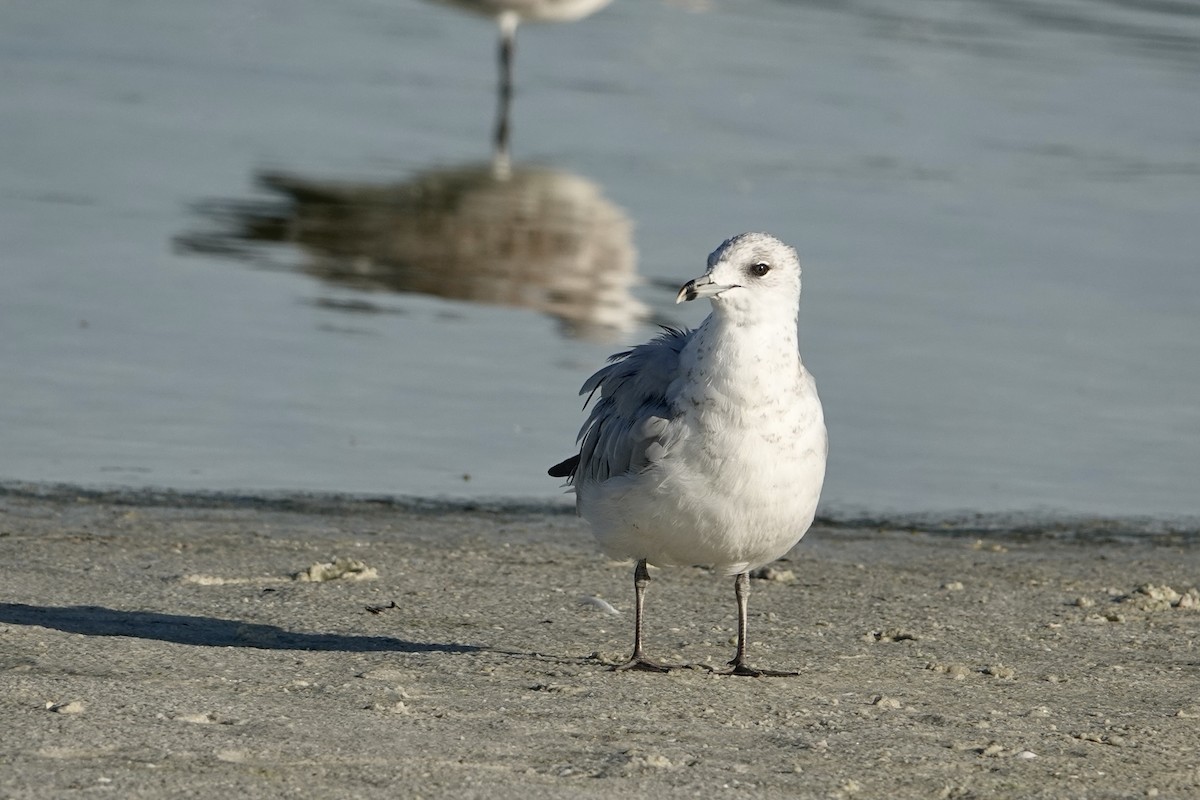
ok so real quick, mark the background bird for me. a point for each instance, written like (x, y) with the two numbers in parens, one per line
(707, 446)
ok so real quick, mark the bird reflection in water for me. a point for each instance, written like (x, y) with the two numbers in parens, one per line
(532, 236)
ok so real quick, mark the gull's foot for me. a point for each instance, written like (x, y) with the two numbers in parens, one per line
(738, 668)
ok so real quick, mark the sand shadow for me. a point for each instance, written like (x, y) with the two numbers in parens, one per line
(206, 631)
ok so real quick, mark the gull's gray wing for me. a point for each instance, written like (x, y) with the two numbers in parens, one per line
(627, 425)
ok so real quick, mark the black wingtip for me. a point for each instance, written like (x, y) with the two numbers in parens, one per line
(564, 469)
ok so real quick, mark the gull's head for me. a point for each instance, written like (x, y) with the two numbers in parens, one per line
(749, 275)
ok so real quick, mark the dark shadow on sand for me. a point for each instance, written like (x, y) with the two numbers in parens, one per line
(206, 631)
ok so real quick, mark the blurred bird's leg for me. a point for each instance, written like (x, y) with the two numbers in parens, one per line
(508, 42)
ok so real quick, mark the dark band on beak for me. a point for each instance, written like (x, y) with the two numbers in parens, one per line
(687, 292)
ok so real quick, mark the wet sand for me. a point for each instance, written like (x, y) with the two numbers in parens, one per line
(156, 645)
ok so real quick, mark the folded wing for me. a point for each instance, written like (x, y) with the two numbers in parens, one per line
(629, 426)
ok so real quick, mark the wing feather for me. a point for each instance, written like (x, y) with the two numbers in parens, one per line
(628, 426)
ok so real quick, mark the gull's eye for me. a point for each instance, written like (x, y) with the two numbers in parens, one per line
(760, 269)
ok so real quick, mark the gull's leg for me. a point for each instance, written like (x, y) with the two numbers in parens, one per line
(641, 577)
(508, 32)
(741, 590)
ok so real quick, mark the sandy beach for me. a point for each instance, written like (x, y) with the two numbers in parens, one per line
(167, 645)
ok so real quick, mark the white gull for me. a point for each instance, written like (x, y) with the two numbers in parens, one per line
(708, 446)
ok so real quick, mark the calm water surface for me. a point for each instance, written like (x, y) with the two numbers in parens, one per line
(257, 244)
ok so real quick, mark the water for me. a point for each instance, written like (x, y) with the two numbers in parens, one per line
(260, 244)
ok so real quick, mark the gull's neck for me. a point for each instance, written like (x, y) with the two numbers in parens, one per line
(754, 334)
(750, 362)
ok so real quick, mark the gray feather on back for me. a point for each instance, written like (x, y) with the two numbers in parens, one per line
(628, 427)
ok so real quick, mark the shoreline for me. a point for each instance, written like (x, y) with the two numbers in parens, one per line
(1062, 525)
(156, 644)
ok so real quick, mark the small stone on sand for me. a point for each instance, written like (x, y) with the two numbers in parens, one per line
(72, 707)
(338, 569)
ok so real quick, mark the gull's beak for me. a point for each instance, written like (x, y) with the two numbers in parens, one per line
(701, 287)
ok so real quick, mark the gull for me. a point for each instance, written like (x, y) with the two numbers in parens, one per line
(707, 447)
